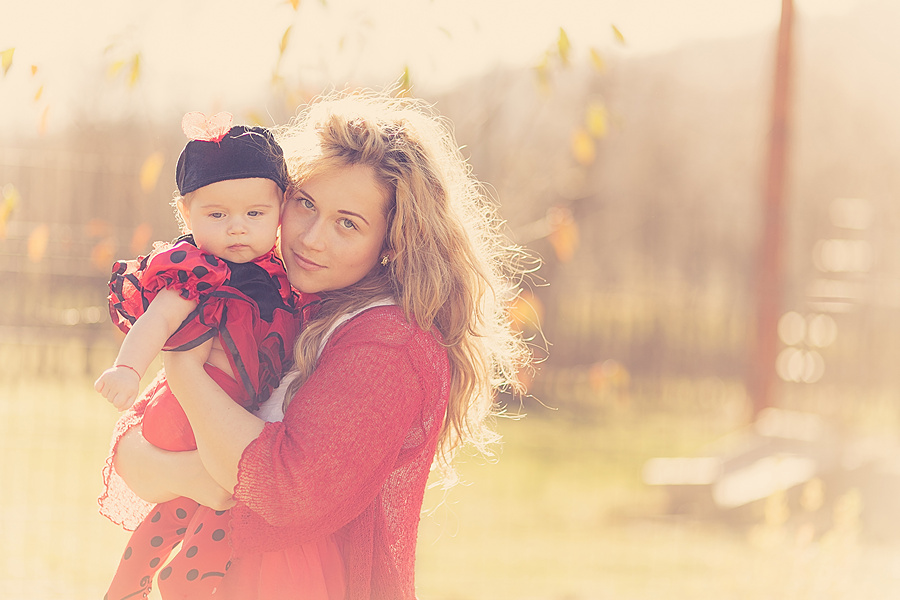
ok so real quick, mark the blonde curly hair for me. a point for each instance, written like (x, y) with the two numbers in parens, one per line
(452, 267)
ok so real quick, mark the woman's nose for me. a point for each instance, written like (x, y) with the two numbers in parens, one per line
(313, 235)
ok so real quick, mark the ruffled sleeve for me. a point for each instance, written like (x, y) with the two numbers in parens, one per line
(185, 269)
(194, 274)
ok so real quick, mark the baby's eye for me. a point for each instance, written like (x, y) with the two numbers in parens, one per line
(217, 215)
(255, 213)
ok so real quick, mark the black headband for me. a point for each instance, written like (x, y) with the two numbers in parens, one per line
(242, 153)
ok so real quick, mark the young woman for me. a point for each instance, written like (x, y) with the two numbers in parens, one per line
(397, 366)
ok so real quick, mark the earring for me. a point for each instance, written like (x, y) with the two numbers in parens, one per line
(385, 260)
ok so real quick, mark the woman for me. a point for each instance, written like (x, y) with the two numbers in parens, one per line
(397, 365)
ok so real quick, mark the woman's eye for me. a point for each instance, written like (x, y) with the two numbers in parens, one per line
(348, 224)
(307, 203)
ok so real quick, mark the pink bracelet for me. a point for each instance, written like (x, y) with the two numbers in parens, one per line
(132, 368)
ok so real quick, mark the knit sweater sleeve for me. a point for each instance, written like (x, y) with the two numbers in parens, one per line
(342, 433)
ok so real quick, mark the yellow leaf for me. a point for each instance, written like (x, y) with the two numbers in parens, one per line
(135, 73)
(6, 58)
(618, 35)
(583, 147)
(543, 78)
(150, 171)
(34, 69)
(254, 118)
(405, 83)
(563, 233)
(114, 68)
(564, 46)
(284, 40)
(37, 95)
(597, 120)
(10, 199)
(45, 120)
(542, 72)
(37, 243)
(140, 239)
(597, 60)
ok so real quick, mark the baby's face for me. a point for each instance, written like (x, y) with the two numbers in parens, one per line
(236, 219)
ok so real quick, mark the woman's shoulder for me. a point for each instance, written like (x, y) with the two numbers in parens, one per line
(387, 327)
(385, 324)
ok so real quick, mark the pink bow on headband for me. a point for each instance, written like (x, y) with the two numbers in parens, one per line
(197, 126)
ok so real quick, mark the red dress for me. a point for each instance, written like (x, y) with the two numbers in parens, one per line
(252, 310)
(250, 307)
(349, 463)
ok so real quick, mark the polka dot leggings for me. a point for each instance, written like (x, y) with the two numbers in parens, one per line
(194, 571)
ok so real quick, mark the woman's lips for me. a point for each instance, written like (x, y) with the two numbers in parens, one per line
(307, 264)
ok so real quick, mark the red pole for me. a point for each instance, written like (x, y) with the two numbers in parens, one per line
(769, 274)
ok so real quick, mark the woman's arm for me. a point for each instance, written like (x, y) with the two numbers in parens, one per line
(379, 391)
(222, 428)
(156, 475)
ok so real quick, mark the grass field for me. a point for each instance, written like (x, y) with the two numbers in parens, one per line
(561, 515)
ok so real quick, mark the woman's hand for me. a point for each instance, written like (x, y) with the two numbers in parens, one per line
(157, 475)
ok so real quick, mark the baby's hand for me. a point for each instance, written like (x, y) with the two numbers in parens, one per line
(119, 385)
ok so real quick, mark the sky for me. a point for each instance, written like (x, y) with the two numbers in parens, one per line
(210, 55)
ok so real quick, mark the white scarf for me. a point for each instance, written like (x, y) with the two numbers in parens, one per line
(273, 409)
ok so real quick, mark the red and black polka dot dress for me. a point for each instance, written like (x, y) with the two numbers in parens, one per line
(252, 310)
(196, 569)
(249, 307)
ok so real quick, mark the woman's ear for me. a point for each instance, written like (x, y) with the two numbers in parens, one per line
(386, 256)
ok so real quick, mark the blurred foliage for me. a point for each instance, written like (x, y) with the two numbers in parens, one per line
(37, 242)
(9, 198)
(150, 171)
(635, 179)
(129, 67)
(6, 59)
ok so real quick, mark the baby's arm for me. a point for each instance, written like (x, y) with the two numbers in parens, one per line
(120, 384)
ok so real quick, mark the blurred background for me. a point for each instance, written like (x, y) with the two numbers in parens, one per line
(711, 185)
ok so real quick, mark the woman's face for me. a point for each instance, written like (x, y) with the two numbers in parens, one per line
(333, 229)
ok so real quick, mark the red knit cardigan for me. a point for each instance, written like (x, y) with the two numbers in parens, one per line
(351, 457)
